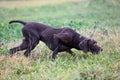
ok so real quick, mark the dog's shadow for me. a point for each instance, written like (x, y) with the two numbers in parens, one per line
(78, 56)
(81, 56)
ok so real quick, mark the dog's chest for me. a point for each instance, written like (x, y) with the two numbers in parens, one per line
(50, 46)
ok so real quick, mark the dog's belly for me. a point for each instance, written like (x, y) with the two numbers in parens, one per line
(63, 48)
(60, 49)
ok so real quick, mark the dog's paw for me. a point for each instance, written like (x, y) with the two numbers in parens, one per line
(11, 51)
(26, 54)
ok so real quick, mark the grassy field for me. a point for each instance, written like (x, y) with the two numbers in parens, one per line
(80, 15)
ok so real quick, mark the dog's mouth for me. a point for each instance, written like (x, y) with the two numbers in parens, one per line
(97, 51)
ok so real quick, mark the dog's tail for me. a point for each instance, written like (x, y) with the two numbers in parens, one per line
(17, 21)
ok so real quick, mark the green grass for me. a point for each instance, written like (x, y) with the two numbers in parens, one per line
(76, 15)
(80, 16)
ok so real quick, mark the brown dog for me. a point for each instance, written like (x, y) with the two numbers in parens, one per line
(58, 40)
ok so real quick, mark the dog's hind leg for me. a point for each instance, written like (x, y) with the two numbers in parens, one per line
(23, 46)
(32, 44)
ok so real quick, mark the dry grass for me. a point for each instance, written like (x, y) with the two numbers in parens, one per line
(12, 67)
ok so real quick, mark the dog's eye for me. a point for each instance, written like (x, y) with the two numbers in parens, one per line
(95, 44)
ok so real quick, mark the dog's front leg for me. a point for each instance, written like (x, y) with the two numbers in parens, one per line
(55, 52)
(56, 46)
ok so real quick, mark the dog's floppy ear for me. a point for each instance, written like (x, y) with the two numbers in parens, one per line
(91, 42)
(84, 46)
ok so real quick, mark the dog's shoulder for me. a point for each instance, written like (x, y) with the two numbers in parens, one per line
(69, 30)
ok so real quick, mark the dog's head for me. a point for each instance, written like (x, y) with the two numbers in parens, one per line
(89, 45)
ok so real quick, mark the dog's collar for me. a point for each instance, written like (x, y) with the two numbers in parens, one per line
(82, 40)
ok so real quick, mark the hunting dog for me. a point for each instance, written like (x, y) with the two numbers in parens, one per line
(57, 39)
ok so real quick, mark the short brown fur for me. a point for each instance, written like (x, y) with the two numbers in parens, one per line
(57, 39)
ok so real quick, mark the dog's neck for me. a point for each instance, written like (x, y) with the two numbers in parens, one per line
(77, 40)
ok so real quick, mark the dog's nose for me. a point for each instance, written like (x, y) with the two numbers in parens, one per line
(101, 49)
